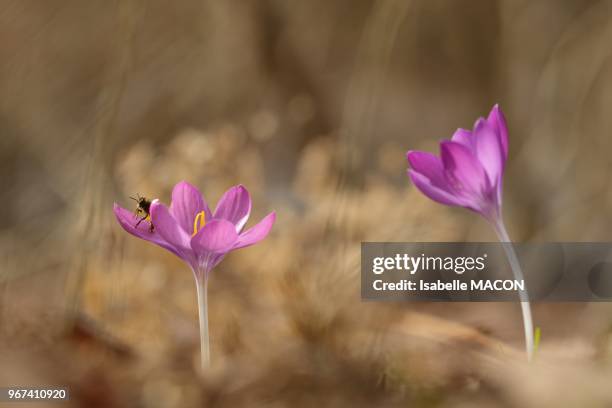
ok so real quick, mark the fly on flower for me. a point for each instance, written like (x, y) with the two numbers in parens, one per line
(197, 235)
(190, 230)
(143, 206)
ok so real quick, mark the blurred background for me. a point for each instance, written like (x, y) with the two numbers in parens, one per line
(312, 106)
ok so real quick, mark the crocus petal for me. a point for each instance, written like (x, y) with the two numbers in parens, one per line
(171, 231)
(429, 166)
(218, 236)
(127, 220)
(187, 202)
(214, 260)
(234, 206)
(497, 120)
(488, 150)
(464, 137)
(256, 233)
(463, 169)
(430, 190)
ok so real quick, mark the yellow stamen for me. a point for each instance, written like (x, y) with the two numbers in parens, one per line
(199, 222)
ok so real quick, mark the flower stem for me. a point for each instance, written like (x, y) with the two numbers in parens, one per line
(202, 289)
(502, 234)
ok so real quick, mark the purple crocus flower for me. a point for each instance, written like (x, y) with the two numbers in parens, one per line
(200, 237)
(470, 168)
(469, 173)
(192, 232)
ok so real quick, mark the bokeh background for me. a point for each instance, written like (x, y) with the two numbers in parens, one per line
(311, 105)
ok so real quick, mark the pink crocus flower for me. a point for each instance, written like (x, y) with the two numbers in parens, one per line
(200, 237)
(469, 173)
(470, 169)
(192, 232)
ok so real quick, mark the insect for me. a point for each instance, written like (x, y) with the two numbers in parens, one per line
(143, 209)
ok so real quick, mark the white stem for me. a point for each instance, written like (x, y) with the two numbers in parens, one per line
(502, 234)
(202, 289)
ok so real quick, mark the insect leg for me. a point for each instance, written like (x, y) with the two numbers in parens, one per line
(139, 221)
